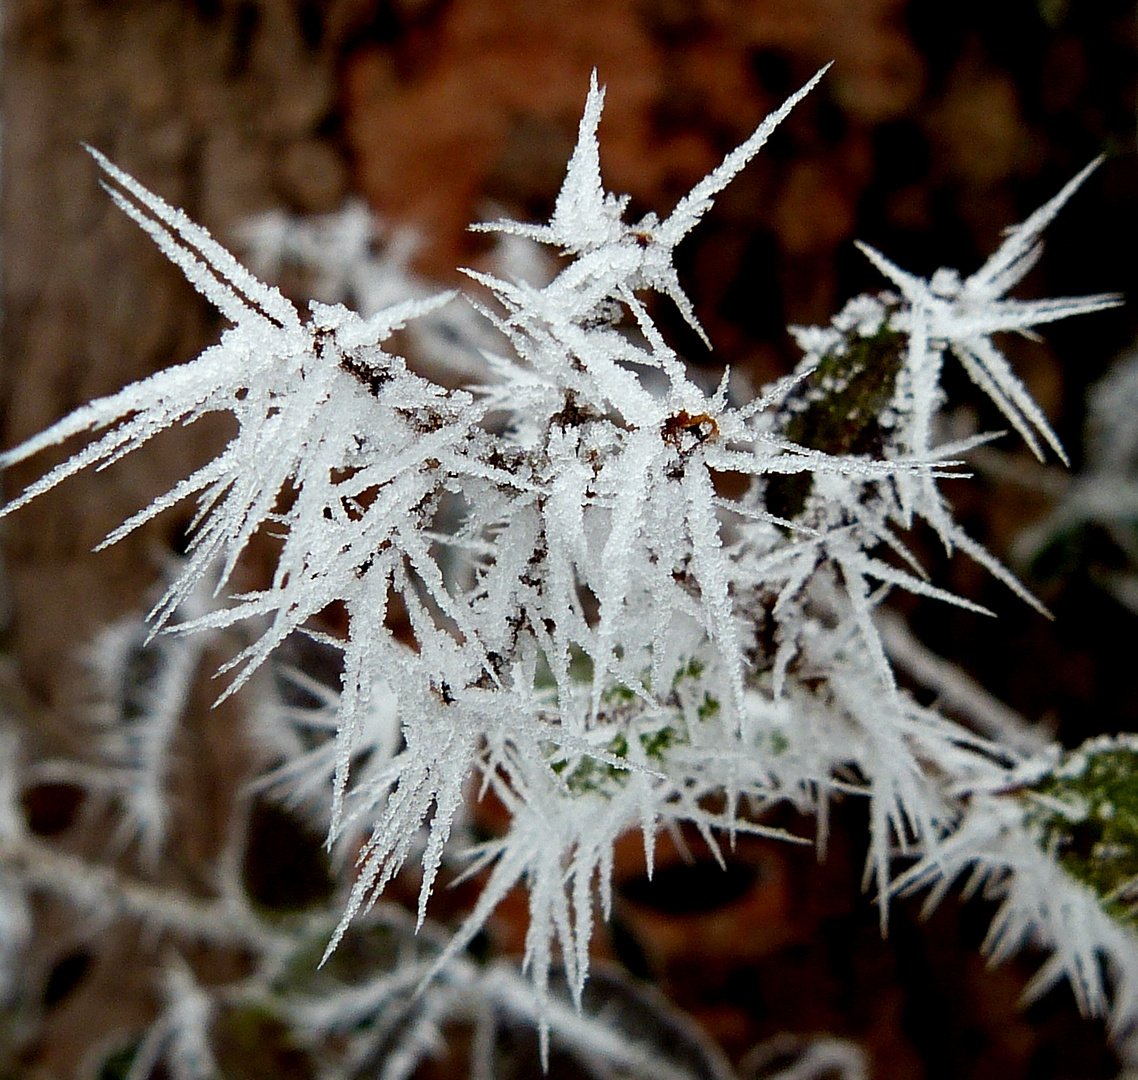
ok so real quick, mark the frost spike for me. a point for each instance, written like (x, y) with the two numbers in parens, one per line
(1017, 254)
(699, 200)
(210, 268)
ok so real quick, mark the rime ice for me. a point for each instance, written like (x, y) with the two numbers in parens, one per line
(595, 633)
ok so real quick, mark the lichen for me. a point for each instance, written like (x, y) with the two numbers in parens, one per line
(839, 407)
(1086, 811)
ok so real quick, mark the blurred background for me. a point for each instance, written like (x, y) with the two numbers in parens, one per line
(939, 125)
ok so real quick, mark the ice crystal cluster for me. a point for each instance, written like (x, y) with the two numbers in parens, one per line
(593, 591)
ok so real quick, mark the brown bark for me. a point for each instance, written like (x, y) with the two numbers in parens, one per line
(216, 107)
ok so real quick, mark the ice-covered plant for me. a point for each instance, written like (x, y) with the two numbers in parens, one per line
(553, 602)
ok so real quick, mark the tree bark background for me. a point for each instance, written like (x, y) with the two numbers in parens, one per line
(216, 107)
(937, 127)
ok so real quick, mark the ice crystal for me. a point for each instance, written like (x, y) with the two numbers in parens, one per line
(946, 313)
(1055, 844)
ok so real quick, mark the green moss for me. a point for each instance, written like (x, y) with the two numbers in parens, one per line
(618, 694)
(657, 743)
(589, 775)
(1096, 839)
(844, 399)
(708, 708)
(693, 669)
